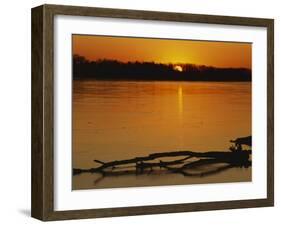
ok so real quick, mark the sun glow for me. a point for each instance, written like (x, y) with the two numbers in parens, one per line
(166, 51)
(178, 68)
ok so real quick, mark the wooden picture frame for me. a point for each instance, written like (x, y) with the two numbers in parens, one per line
(43, 112)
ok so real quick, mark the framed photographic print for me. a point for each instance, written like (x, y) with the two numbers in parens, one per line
(141, 112)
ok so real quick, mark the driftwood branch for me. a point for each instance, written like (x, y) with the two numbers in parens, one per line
(139, 165)
(187, 163)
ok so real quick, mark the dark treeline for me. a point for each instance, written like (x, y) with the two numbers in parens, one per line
(112, 69)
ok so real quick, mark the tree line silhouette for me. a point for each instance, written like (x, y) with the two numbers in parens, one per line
(105, 69)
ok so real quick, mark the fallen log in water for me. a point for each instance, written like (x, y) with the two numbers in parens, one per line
(232, 159)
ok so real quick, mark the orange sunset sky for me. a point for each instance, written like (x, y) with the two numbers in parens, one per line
(217, 54)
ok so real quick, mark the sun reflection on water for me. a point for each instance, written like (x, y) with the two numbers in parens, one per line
(180, 101)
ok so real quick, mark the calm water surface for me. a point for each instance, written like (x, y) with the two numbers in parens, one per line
(123, 119)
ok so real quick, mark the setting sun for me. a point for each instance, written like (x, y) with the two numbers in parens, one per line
(178, 68)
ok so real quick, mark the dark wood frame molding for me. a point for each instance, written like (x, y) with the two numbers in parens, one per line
(42, 203)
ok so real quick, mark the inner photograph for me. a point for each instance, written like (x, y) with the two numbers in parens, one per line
(155, 112)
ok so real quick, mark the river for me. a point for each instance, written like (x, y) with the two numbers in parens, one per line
(115, 120)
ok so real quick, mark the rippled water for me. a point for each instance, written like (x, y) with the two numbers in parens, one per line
(123, 119)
